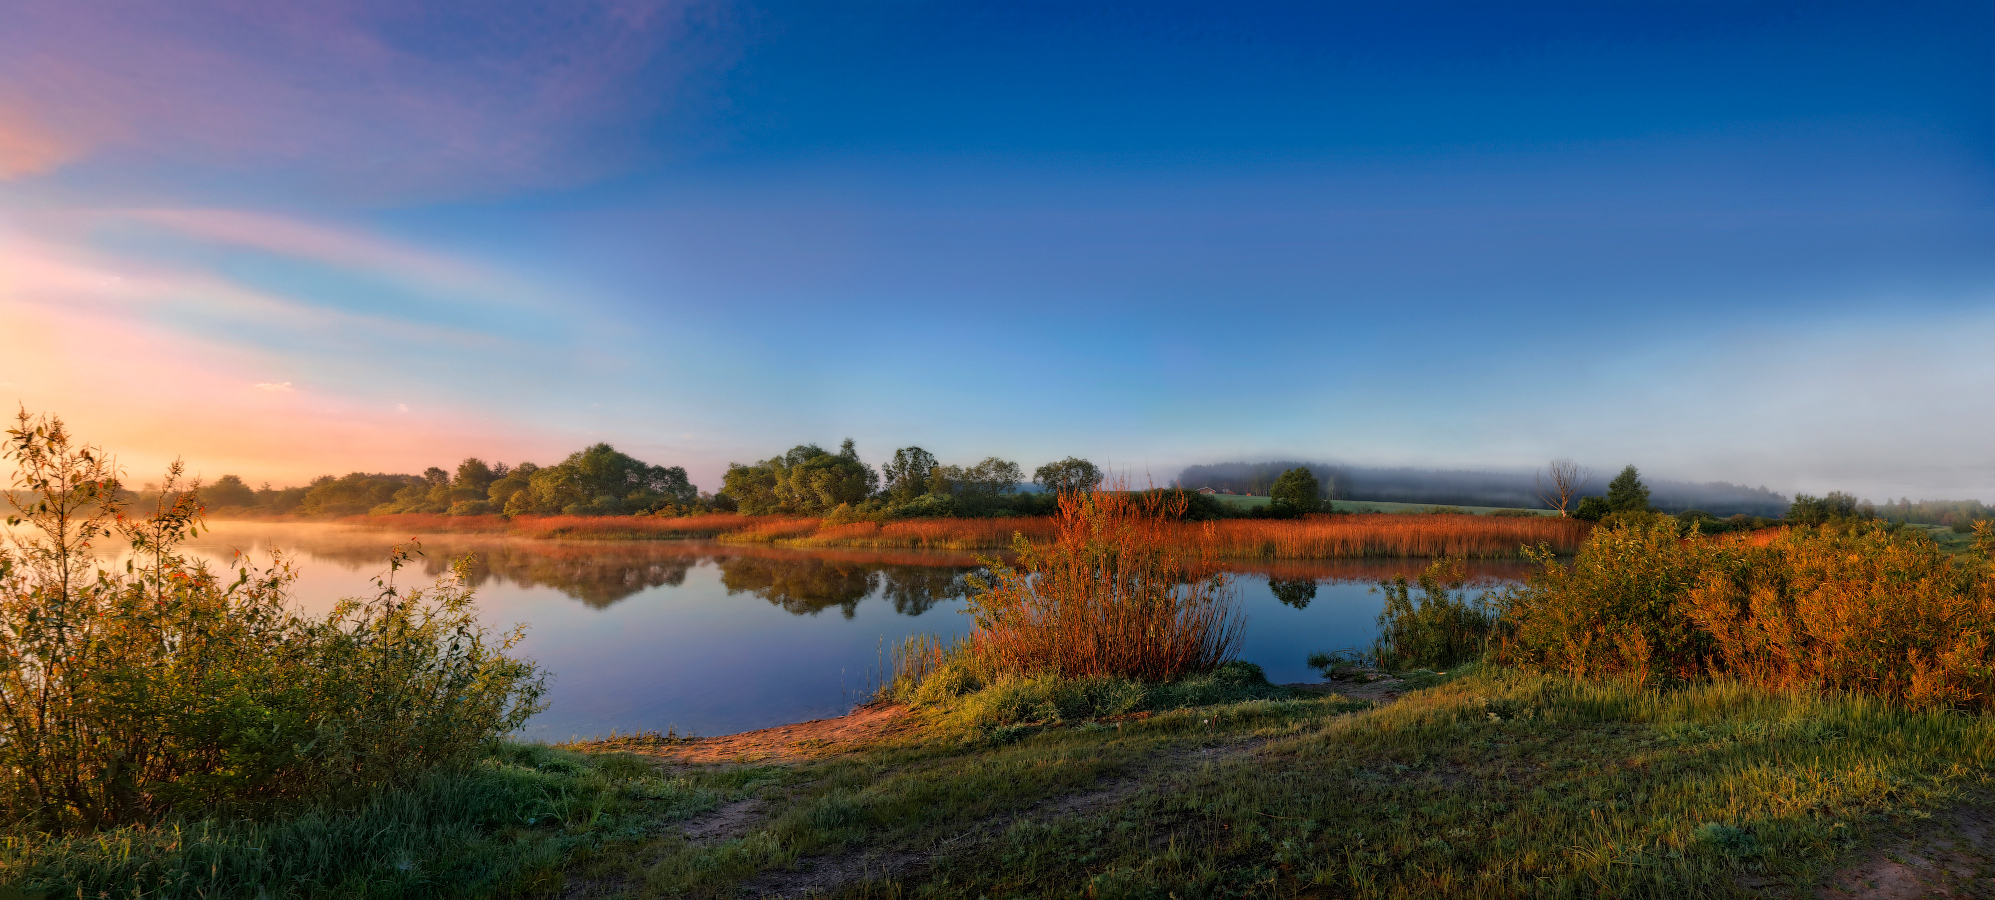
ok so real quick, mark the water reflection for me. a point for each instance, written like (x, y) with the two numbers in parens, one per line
(810, 585)
(724, 637)
(603, 573)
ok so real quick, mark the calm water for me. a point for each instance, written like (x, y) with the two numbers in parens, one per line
(716, 639)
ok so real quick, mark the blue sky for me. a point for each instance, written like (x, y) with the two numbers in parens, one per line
(1748, 242)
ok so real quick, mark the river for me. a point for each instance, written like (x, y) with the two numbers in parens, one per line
(718, 638)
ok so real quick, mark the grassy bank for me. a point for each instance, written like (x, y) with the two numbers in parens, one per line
(1490, 784)
(1318, 537)
(1482, 784)
(504, 826)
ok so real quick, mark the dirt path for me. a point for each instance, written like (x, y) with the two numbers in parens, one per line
(781, 744)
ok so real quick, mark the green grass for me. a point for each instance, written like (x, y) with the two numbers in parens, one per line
(1489, 784)
(508, 825)
(1950, 541)
(1479, 783)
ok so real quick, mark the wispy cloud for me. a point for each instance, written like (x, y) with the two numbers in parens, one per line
(163, 357)
(377, 97)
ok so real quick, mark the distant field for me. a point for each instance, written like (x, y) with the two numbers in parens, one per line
(1379, 506)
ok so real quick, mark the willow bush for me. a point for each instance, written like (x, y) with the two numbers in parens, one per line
(1441, 626)
(1858, 607)
(159, 687)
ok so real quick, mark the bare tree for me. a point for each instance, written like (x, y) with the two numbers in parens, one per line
(1567, 479)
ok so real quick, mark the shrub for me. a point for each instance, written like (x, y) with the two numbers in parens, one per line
(1616, 609)
(1855, 607)
(1441, 627)
(130, 696)
(1113, 595)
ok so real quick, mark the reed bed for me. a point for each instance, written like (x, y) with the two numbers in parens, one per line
(1385, 534)
(934, 534)
(1369, 535)
(770, 529)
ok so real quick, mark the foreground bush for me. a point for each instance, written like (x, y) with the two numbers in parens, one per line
(134, 695)
(1113, 595)
(502, 825)
(1861, 607)
(1442, 626)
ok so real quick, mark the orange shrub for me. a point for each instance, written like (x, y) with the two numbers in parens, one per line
(1117, 593)
(1865, 609)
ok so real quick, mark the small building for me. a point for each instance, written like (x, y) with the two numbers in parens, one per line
(1207, 490)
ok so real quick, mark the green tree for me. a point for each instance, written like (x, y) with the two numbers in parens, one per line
(1297, 491)
(1627, 493)
(1592, 509)
(907, 475)
(599, 480)
(1836, 507)
(475, 476)
(227, 491)
(511, 483)
(1068, 476)
(807, 480)
(355, 493)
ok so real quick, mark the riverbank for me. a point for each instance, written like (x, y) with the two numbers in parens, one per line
(1363, 535)
(1470, 784)
(1489, 783)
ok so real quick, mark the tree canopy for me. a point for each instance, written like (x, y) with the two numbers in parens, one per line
(1067, 476)
(1297, 491)
(808, 479)
(906, 476)
(1627, 493)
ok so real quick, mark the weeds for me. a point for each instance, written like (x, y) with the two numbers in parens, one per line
(162, 690)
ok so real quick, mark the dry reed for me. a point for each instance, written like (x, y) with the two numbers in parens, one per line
(1375, 535)
(1117, 593)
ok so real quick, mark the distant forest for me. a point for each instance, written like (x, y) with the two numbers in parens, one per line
(1456, 487)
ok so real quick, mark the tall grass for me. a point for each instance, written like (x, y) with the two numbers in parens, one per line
(162, 689)
(1384, 534)
(1115, 594)
(1861, 608)
(1369, 535)
(934, 534)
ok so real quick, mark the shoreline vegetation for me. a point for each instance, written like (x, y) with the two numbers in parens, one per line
(1315, 537)
(1798, 711)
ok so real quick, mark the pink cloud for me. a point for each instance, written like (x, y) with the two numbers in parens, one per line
(29, 148)
(383, 98)
(86, 343)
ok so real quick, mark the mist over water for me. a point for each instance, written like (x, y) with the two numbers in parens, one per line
(1459, 487)
(714, 639)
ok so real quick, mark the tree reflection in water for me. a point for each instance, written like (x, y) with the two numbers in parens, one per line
(802, 582)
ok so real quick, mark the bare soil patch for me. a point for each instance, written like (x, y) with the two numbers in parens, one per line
(781, 744)
(1951, 856)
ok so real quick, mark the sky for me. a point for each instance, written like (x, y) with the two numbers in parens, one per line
(1726, 241)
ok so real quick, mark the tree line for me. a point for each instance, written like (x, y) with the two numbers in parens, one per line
(598, 480)
(602, 481)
